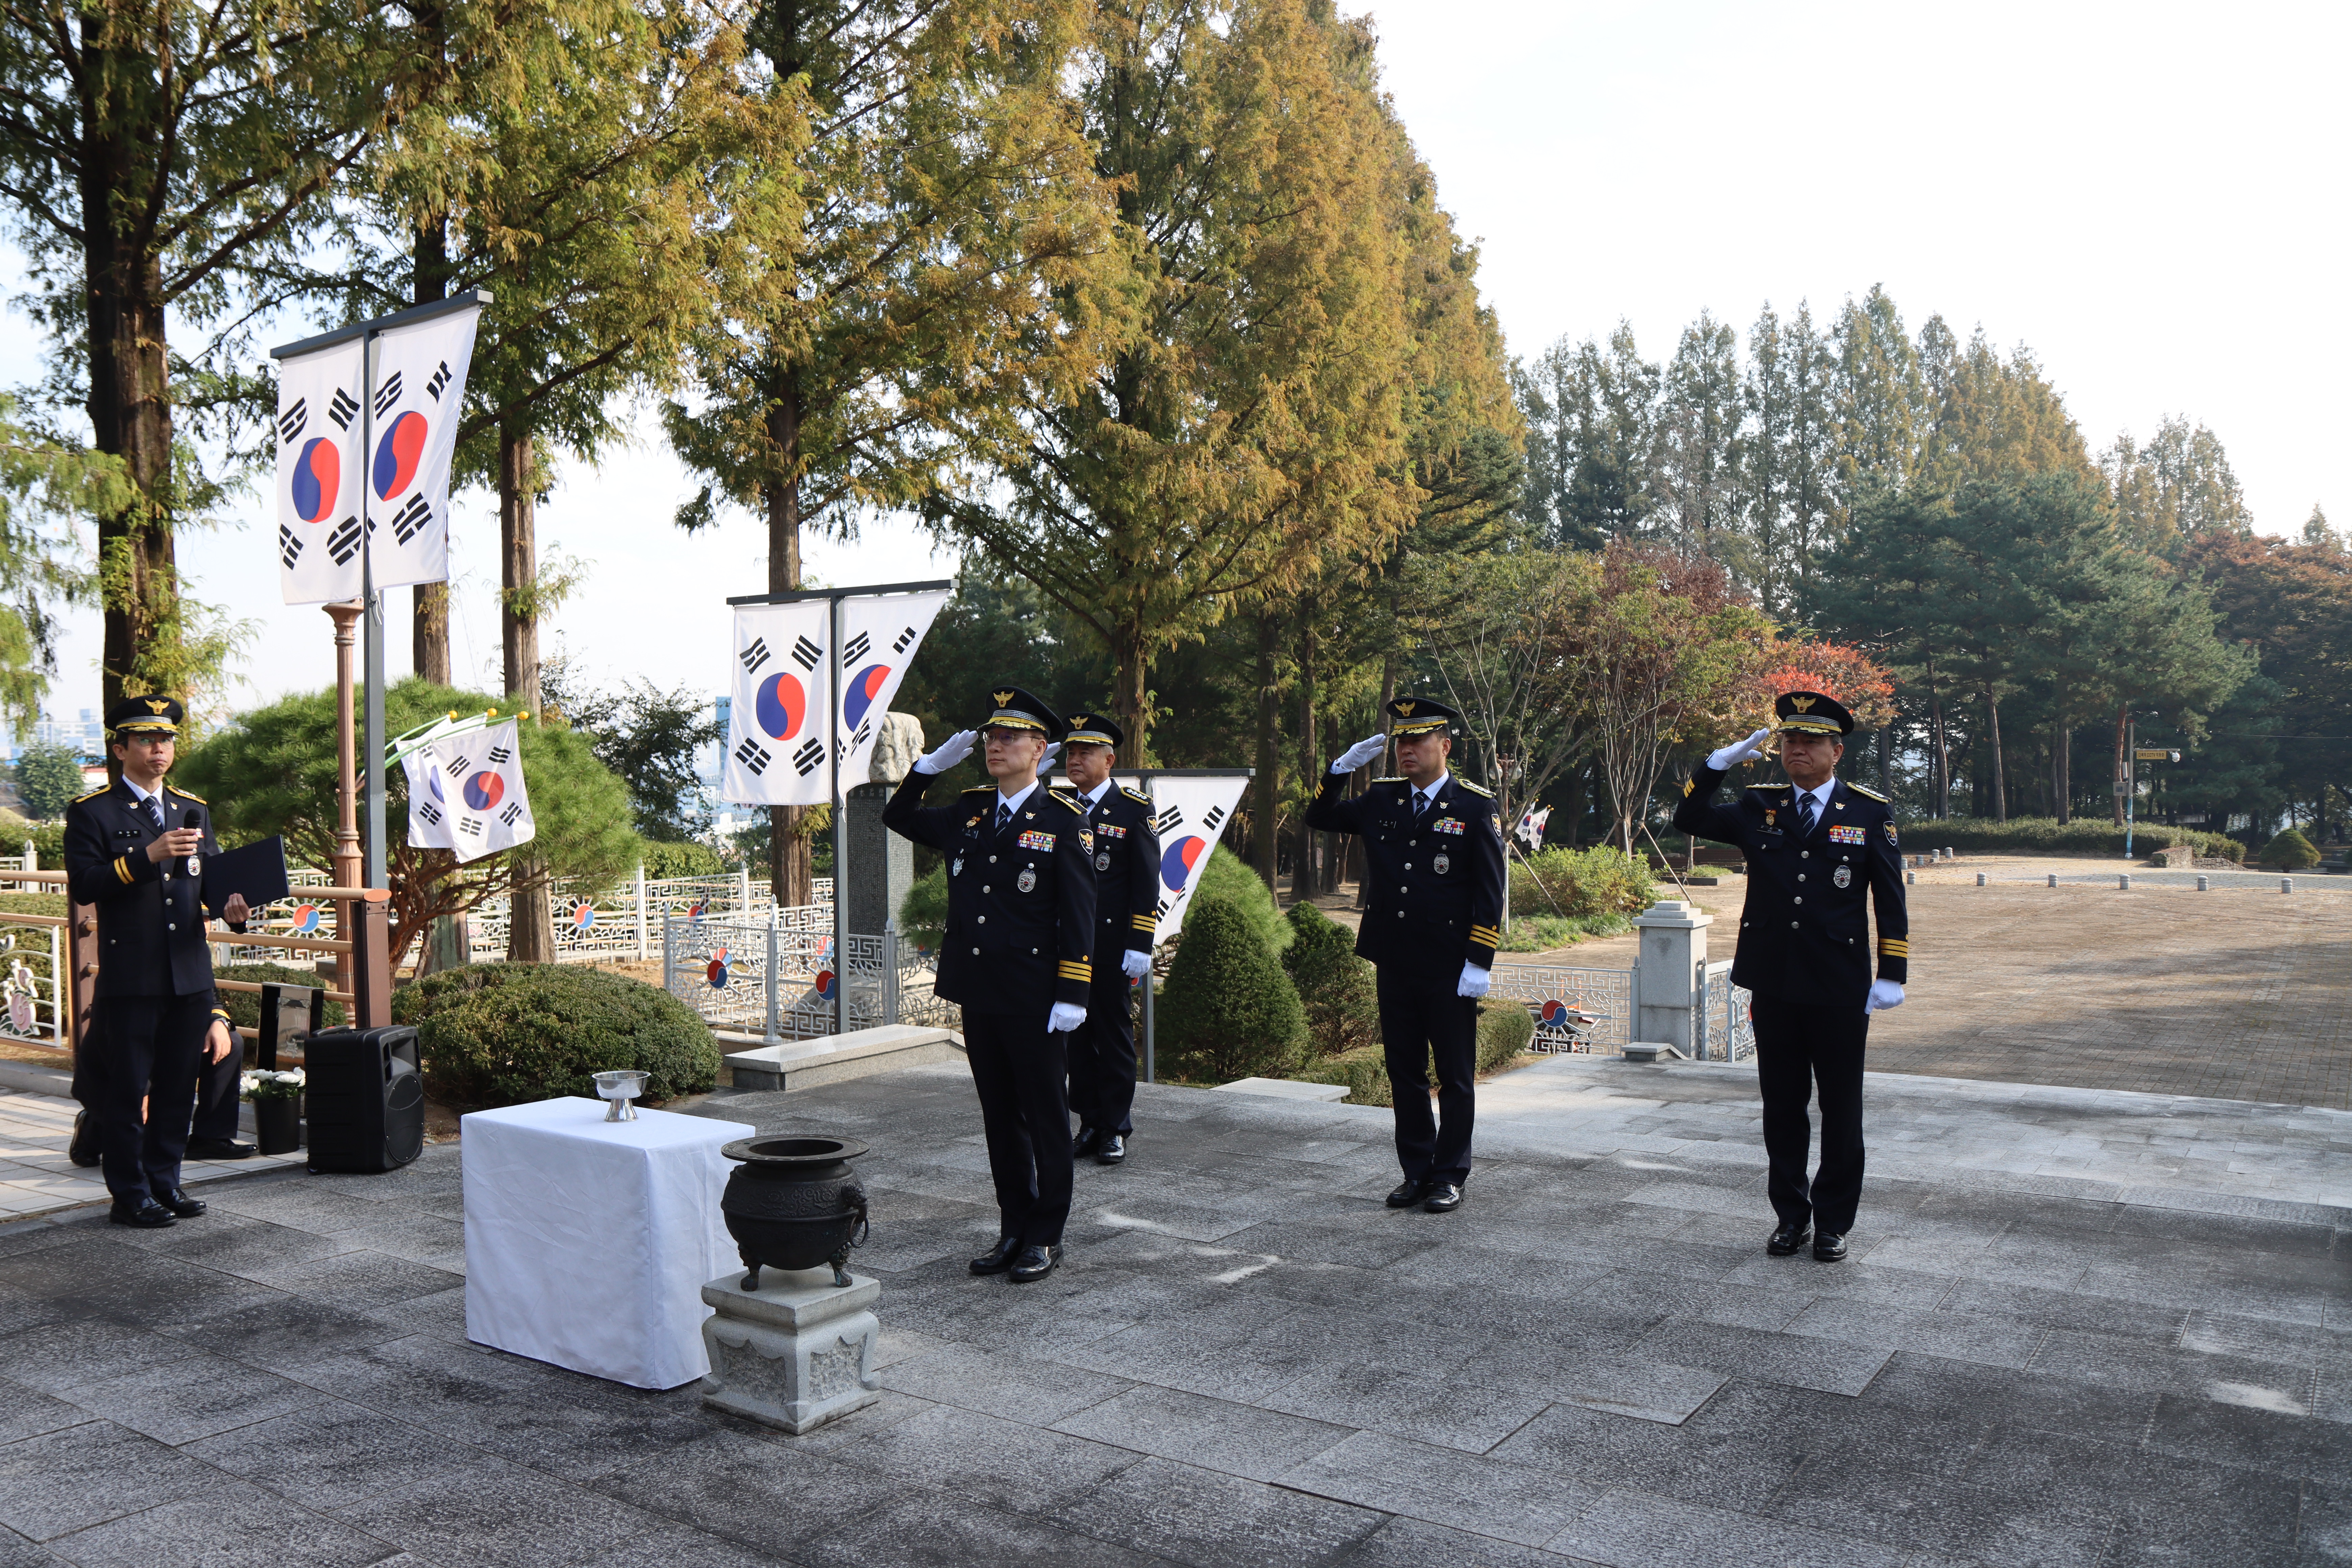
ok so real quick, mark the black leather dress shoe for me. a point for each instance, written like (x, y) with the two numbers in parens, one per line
(1085, 1143)
(1408, 1194)
(1444, 1197)
(146, 1215)
(220, 1149)
(83, 1149)
(1112, 1150)
(1789, 1241)
(177, 1200)
(1034, 1263)
(1828, 1248)
(999, 1257)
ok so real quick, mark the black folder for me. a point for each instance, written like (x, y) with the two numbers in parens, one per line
(257, 869)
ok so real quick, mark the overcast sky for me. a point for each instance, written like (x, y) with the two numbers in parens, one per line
(2152, 197)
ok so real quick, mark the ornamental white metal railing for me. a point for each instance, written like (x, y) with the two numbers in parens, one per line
(776, 977)
(1724, 1031)
(32, 977)
(1562, 999)
(625, 920)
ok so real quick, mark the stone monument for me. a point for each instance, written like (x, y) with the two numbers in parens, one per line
(1673, 987)
(794, 1354)
(881, 864)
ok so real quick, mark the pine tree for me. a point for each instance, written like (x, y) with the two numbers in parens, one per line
(1700, 423)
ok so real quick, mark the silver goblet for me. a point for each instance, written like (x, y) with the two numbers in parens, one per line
(621, 1087)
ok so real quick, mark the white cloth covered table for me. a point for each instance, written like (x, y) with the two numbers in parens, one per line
(588, 1242)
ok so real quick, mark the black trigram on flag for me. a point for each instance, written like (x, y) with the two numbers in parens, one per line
(470, 826)
(294, 421)
(755, 656)
(410, 519)
(865, 733)
(440, 379)
(904, 639)
(805, 654)
(457, 765)
(500, 756)
(387, 395)
(754, 757)
(344, 541)
(810, 753)
(289, 547)
(428, 811)
(1216, 814)
(340, 408)
(1169, 820)
(512, 814)
(855, 650)
(1160, 909)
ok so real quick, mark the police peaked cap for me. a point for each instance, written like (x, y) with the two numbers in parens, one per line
(1811, 713)
(1095, 730)
(1419, 716)
(1017, 710)
(145, 715)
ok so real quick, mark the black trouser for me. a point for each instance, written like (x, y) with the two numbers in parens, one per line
(1420, 1021)
(1102, 1057)
(219, 1084)
(1799, 1048)
(142, 1047)
(1018, 1068)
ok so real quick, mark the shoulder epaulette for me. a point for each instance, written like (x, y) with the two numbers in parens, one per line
(982, 789)
(1399, 778)
(1136, 795)
(1475, 789)
(1069, 802)
(93, 795)
(1864, 789)
(183, 794)
(1768, 786)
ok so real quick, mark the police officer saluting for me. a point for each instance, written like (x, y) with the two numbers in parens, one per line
(135, 849)
(1818, 849)
(1127, 888)
(1431, 921)
(1018, 957)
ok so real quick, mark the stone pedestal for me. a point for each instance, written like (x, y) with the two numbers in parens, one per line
(881, 864)
(1672, 983)
(794, 1354)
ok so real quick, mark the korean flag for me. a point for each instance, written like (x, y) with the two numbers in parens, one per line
(1191, 816)
(780, 685)
(413, 405)
(319, 463)
(879, 639)
(465, 793)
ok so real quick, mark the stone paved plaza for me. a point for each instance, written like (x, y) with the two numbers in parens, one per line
(1247, 1360)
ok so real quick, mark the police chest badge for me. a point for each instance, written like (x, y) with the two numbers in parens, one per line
(1102, 861)
(1027, 879)
(955, 868)
(1842, 876)
(1441, 864)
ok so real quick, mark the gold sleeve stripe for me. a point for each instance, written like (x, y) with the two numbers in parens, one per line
(122, 867)
(1146, 922)
(1895, 947)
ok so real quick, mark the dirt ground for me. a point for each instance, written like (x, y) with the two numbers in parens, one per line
(2238, 993)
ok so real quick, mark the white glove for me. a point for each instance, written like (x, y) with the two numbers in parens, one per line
(952, 750)
(1474, 981)
(1068, 1016)
(1883, 993)
(1047, 760)
(1739, 751)
(1356, 755)
(1135, 964)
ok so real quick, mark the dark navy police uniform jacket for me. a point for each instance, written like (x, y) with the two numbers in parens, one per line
(1021, 903)
(151, 926)
(1436, 896)
(1127, 874)
(1804, 935)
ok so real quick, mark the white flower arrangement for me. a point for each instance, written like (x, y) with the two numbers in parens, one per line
(267, 1085)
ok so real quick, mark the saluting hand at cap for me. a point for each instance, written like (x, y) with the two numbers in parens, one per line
(952, 750)
(1732, 755)
(1356, 755)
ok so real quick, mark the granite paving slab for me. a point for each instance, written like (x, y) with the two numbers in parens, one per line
(1246, 1359)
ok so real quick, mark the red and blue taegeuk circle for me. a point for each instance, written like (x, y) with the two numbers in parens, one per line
(485, 790)
(1555, 1015)
(397, 454)
(306, 920)
(318, 479)
(864, 687)
(825, 985)
(782, 703)
(1176, 862)
(715, 971)
(584, 916)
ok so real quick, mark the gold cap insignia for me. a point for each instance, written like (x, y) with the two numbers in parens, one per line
(1079, 721)
(1001, 698)
(1801, 704)
(156, 705)
(1404, 709)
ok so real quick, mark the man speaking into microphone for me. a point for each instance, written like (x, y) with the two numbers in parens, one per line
(136, 849)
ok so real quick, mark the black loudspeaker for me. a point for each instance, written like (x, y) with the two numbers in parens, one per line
(364, 1099)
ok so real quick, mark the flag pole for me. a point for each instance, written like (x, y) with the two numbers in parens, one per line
(840, 828)
(371, 603)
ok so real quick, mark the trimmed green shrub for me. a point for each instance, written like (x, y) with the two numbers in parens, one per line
(1541, 933)
(2289, 852)
(1504, 1027)
(2047, 836)
(245, 1007)
(49, 843)
(664, 859)
(503, 1034)
(1228, 880)
(1334, 986)
(54, 905)
(923, 912)
(1577, 882)
(1228, 1011)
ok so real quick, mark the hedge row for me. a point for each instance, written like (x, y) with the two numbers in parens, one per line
(1504, 1027)
(2047, 836)
(1576, 883)
(503, 1034)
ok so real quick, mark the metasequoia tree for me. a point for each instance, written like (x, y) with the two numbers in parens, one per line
(1254, 415)
(43, 486)
(153, 150)
(943, 251)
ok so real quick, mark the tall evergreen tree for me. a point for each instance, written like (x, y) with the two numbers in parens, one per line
(1880, 400)
(1700, 421)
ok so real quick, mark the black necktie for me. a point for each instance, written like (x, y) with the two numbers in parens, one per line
(156, 812)
(1004, 815)
(1420, 799)
(1805, 815)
